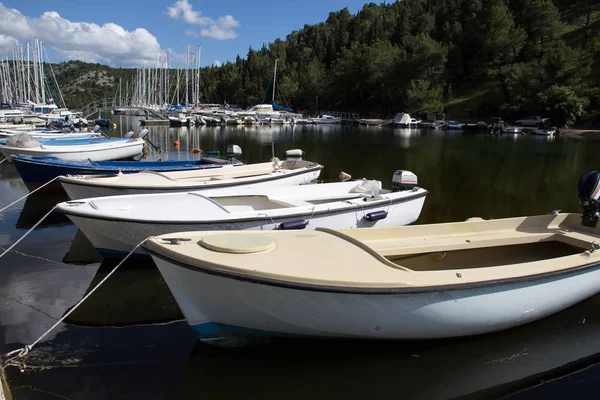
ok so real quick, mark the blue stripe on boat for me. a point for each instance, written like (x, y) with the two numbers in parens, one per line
(35, 171)
(216, 330)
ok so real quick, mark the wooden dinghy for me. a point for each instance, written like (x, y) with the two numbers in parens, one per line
(116, 224)
(264, 175)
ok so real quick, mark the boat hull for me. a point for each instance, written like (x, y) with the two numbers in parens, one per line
(95, 152)
(221, 307)
(76, 190)
(116, 238)
(38, 171)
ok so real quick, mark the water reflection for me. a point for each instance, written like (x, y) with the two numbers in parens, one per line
(467, 175)
(37, 205)
(403, 137)
(484, 366)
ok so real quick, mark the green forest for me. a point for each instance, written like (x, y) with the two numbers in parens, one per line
(468, 59)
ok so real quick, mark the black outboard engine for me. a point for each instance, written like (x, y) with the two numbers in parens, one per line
(588, 192)
(403, 180)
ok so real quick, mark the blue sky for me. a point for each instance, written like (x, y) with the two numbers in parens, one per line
(127, 33)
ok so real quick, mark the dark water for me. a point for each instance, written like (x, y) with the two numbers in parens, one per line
(129, 339)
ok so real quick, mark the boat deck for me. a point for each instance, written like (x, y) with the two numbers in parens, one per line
(473, 251)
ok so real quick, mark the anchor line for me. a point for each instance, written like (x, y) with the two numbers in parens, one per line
(28, 232)
(12, 357)
(30, 193)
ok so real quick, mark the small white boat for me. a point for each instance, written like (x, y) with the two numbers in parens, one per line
(103, 150)
(264, 175)
(545, 131)
(326, 119)
(372, 121)
(516, 130)
(116, 224)
(414, 282)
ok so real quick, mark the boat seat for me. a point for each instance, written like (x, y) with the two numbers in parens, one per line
(240, 208)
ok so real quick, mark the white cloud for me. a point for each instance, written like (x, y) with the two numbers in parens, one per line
(7, 43)
(182, 9)
(221, 29)
(217, 63)
(108, 43)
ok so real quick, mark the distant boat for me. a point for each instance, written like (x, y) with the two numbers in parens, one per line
(325, 119)
(404, 120)
(439, 124)
(453, 126)
(545, 131)
(372, 121)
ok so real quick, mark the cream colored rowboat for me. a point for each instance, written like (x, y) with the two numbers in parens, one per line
(263, 175)
(414, 282)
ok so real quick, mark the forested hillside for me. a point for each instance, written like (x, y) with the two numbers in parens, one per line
(468, 58)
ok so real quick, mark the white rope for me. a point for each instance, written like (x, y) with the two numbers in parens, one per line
(30, 193)
(27, 233)
(22, 352)
(311, 215)
(6, 158)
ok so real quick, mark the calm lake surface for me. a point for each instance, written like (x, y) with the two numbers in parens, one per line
(130, 341)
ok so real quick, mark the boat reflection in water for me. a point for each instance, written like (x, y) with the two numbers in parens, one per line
(135, 294)
(486, 366)
(37, 205)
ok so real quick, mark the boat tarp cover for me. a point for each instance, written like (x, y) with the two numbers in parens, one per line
(22, 140)
(402, 118)
(278, 107)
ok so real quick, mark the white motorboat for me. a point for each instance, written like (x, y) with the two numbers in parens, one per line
(325, 119)
(545, 131)
(263, 175)
(116, 224)
(414, 282)
(102, 150)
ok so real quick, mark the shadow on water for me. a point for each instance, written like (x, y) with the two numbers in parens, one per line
(135, 294)
(486, 366)
(128, 340)
(37, 205)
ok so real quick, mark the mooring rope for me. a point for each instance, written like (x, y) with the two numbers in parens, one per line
(11, 357)
(6, 158)
(27, 233)
(30, 193)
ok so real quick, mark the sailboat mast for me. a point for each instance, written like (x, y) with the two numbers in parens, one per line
(198, 78)
(274, 80)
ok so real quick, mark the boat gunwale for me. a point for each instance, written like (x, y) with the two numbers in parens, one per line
(217, 270)
(379, 203)
(195, 164)
(189, 186)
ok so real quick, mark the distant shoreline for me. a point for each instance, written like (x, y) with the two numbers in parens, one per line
(578, 133)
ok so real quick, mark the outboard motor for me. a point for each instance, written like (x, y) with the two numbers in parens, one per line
(588, 192)
(233, 151)
(403, 180)
(294, 154)
(143, 133)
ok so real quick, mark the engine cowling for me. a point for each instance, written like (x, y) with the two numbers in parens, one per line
(403, 180)
(588, 193)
